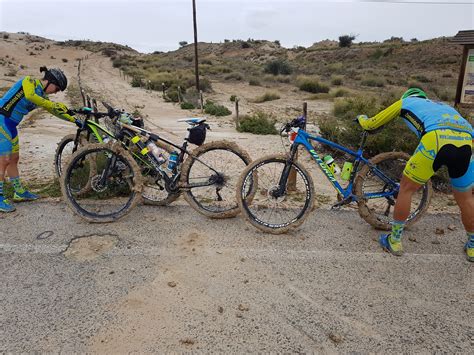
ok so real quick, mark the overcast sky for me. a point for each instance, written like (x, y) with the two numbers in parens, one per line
(150, 25)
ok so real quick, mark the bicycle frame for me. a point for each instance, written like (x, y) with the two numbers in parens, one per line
(303, 138)
(170, 181)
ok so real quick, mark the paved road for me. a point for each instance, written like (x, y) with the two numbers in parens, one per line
(168, 279)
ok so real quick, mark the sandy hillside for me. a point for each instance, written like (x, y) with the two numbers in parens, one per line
(40, 132)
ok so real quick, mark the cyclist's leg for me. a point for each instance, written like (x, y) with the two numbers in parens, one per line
(21, 194)
(5, 156)
(417, 172)
(463, 193)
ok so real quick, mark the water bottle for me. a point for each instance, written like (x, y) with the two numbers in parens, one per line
(346, 171)
(173, 160)
(156, 152)
(333, 167)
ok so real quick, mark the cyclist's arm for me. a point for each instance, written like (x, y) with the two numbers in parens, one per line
(383, 117)
(55, 108)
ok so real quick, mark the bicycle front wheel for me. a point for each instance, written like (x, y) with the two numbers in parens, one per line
(209, 176)
(378, 211)
(273, 208)
(115, 186)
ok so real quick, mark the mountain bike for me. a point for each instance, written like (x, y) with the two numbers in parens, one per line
(206, 176)
(280, 203)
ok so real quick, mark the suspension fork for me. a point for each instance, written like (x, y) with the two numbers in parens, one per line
(286, 172)
(107, 170)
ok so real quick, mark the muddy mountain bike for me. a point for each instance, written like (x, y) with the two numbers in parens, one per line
(91, 131)
(280, 203)
(206, 176)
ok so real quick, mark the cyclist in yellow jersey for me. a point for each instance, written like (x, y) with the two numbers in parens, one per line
(446, 138)
(23, 97)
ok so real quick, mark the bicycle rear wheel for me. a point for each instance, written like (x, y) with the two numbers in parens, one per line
(210, 176)
(378, 211)
(267, 210)
(115, 187)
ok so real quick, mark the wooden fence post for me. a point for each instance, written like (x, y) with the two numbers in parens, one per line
(236, 113)
(292, 176)
(163, 88)
(201, 101)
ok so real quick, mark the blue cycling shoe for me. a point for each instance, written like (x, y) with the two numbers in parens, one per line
(25, 196)
(469, 249)
(5, 205)
(386, 243)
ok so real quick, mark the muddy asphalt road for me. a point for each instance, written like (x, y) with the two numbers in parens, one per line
(169, 279)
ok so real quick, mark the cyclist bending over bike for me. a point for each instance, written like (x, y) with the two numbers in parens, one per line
(446, 138)
(24, 96)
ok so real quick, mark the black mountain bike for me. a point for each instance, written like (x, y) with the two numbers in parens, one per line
(121, 171)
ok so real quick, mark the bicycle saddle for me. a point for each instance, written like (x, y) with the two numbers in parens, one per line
(193, 120)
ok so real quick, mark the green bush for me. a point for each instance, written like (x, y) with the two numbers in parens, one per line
(136, 82)
(268, 96)
(339, 93)
(313, 86)
(259, 123)
(336, 80)
(234, 76)
(216, 110)
(233, 98)
(346, 40)
(373, 82)
(394, 136)
(187, 106)
(277, 66)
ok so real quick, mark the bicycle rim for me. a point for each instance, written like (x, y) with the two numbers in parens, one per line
(266, 209)
(217, 167)
(379, 211)
(115, 183)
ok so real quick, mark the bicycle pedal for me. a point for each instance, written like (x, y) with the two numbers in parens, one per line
(338, 205)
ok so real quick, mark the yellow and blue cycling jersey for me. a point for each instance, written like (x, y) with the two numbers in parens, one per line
(446, 139)
(24, 96)
(421, 116)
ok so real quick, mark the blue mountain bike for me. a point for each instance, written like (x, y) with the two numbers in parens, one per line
(284, 192)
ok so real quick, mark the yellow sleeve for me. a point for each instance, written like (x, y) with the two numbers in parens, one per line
(383, 117)
(54, 108)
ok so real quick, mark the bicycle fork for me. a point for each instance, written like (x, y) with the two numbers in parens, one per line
(280, 191)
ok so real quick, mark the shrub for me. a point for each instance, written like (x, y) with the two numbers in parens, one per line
(6, 36)
(216, 110)
(254, 82)
(233, 98)
(336, 80)
(277, 66)
(259, 123)
(234, 76)
(183, 43)
(373, 82)
(187, 106)
(136, 82)
(395, 136)
(346, 40)
(268, 96)
(339, 93)
(312, 85)
(245, 45)
(65, 60)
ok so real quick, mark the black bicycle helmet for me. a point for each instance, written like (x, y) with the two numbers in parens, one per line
(55, 76)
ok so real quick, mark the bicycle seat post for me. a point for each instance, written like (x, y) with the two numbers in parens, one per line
(365, 134)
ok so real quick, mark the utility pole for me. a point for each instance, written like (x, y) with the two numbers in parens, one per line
(196, 65)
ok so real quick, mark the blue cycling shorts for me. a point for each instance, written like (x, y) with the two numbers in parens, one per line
(9, 142)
